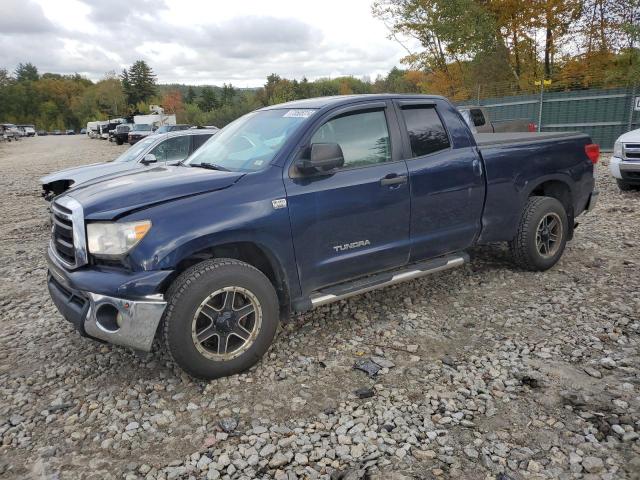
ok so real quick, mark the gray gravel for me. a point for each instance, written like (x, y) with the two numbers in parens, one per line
(482, 371)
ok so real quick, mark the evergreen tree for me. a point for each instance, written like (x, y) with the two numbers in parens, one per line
(26, 72)
(190, 96)
(228, 93)
(208, 100)
(138, 83)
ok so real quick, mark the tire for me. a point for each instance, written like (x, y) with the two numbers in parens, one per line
(534, 252)
(198, 296)
(624, 186)
(119, 142)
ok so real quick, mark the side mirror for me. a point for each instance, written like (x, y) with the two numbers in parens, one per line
(322, 158)
(149, 158)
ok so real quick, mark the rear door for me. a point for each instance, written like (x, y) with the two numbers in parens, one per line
(447, 183)
(355, 221)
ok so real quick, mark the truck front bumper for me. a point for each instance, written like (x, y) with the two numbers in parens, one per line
(130, 322)
(627, 170)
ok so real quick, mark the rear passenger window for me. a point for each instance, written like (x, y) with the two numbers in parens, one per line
(363, 137)
(426, 132)
(478, 117)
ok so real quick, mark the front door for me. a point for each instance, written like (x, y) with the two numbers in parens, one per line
(356, 220)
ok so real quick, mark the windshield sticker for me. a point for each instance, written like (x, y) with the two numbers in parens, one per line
(298, 113)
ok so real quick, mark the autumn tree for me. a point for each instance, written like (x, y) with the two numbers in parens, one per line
(172, 102)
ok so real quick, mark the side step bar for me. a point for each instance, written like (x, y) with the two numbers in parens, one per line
(384, 279)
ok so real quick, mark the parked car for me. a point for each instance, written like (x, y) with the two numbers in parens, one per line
(479, 121)
(83, 131)
(121, 133)
(625, 161)
(42, 133)
(26, 130)
(57, 132)
(138, 132)
(302, 204)
(70, 132)
(169, 148)
(11, 132)
(171, 128)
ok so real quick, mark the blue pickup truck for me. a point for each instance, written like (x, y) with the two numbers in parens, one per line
(298, 205)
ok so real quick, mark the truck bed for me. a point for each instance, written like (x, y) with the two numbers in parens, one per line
(488, 139)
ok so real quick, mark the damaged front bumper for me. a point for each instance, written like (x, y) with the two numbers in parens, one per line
(130, 322)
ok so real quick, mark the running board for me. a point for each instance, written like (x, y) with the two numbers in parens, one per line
(385, 279)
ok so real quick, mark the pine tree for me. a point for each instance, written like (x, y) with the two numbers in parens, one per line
(138, 83)
(208, 100)
(190, 96)
(26, 72)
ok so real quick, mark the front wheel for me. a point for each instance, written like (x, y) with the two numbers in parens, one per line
(221, 318)
(541, 235)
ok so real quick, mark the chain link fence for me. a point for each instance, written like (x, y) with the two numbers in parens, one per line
(603, 113)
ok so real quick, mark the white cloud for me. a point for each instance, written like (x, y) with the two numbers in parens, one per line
(199, 41)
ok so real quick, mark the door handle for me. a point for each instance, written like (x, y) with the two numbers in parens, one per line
(477, 168)
(393, 179)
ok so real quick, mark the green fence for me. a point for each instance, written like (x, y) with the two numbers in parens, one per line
(604, 114)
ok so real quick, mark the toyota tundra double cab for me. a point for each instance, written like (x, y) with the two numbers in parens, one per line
(298, 205)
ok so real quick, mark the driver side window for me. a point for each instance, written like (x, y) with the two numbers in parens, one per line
(363, 137)
(172, 149)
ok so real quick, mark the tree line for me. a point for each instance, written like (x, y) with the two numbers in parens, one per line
(466, 49)
(516, 43)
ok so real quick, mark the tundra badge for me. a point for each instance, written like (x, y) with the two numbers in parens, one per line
(352, 245)
(279, 203)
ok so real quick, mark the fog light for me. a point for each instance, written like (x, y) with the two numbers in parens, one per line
(107, 317)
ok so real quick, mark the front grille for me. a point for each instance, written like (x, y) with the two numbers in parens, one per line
(62, 234)
(631, 151)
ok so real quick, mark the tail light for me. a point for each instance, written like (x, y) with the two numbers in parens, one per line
(593, 152)
(532, 127)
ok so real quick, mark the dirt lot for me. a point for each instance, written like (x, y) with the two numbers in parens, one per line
(489, 370)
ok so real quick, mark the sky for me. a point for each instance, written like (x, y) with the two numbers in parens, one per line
(197, 41)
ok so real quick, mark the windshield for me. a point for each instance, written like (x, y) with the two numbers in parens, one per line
(141, 127)
(252, 141)
(135, 151)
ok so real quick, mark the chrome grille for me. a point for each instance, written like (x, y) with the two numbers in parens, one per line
(68, 240)
(631, 151)
(62, 234)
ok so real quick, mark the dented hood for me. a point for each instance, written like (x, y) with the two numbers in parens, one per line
(113, 197)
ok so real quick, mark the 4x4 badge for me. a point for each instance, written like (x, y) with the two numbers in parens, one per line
(279, 203)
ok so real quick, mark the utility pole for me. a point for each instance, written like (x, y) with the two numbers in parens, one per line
(633, 107)
(542, 83)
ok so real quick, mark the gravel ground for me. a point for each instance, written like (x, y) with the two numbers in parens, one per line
(484, 372)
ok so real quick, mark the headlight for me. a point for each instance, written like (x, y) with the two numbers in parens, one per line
(617, 149)
(115, 239)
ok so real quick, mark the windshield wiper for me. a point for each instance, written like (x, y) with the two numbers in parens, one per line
(211, 166)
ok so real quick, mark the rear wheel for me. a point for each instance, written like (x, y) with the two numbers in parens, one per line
(119, 142)
(542, 234)
(221, 318)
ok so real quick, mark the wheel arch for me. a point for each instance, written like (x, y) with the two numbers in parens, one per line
(252, 253)
(560, 189)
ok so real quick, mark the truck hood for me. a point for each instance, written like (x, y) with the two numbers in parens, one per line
(632, 136)
(113, 197)
(87, 172)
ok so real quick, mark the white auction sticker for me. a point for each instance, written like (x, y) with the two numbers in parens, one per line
(300, 113)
